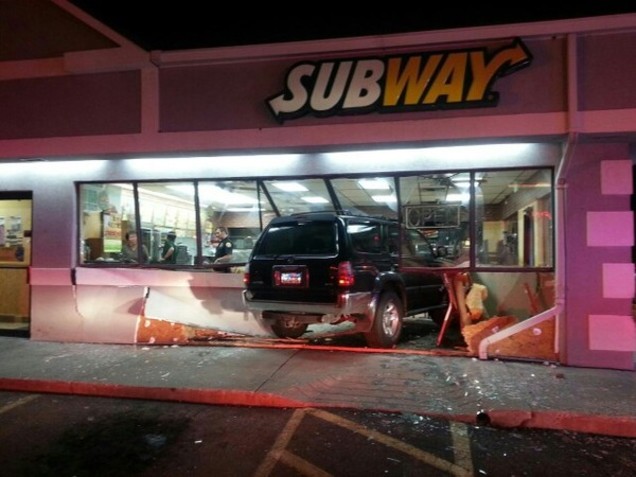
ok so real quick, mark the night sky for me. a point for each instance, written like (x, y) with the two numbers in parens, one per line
(189, 24)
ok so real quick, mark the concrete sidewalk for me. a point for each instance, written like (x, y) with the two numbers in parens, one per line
(512, 394)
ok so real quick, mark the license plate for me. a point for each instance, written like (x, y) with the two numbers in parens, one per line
(291, 278)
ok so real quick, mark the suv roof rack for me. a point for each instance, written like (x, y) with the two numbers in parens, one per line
(348, 213)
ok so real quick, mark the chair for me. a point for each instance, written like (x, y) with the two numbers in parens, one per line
(456, 284)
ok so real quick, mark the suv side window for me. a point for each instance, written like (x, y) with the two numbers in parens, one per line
(366, 237)
(394, 239)
(417, 250)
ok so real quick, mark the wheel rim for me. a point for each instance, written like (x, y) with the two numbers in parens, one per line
(292, 324)
(390, 319)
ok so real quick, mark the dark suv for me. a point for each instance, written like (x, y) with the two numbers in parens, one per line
(330, 268)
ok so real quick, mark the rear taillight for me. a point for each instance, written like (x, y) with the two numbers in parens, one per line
(345, 274)
(246, 275)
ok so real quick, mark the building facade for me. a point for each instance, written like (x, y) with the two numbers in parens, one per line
(100, 139)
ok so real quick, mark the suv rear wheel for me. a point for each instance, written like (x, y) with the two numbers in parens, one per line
(387, 323)
(289, 327)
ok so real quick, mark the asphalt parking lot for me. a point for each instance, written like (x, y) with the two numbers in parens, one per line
(48, 435)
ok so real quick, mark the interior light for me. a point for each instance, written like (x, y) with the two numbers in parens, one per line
(384, 199)
(211, 193)
(447, 156)
(290, 186)
(80, 168)
(463, 197)
(374, 184)
(254, 163)
(315, 200)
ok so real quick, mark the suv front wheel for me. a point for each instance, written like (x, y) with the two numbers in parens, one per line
(387, 323)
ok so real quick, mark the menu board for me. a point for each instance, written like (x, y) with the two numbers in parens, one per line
(11, 239)
(111, 223)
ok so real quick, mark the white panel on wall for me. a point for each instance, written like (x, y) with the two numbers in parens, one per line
(618, 280)
(616, 177)
(610, 229)
(612, 333)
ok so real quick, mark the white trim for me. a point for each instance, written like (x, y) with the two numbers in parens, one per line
(534, 127)
(521, 326)
(121, 277)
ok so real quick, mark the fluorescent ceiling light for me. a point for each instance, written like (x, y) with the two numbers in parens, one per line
(290, 186)
(315, 200)
(211, 193)
(457, 197)
(52, 168)
(374, 184)
(384, 199)
(255, 164)
(447, 156)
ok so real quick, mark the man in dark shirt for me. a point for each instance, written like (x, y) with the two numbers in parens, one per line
(169, 250)
(223, 252)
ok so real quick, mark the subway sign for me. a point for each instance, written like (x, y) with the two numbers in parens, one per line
(450, 79)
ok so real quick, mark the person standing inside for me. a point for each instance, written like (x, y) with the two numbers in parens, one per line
(224, 248)
(130, 252)
(169, 250)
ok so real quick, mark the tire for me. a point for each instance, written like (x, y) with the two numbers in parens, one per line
(289, 328)
(387, 322)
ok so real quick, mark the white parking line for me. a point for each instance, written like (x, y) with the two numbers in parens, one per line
(427, 458)
(461, 444)
(19, 402)
(278, 449)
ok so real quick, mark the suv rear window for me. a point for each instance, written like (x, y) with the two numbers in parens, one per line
(299, 238)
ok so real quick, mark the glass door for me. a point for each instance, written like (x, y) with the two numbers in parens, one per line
(15, 258)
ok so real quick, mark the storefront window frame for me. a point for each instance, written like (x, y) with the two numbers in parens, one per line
(264, 195)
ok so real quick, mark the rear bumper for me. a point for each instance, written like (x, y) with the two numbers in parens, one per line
(347, 304)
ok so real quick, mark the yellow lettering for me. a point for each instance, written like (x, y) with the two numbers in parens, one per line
(409, 81)
(450, 80)
(484, 73)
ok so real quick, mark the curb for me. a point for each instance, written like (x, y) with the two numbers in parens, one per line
(189, 395)
(617, 426)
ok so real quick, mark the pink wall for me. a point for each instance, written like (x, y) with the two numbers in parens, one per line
(77, 105)
(607, 68)
(595, 235)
